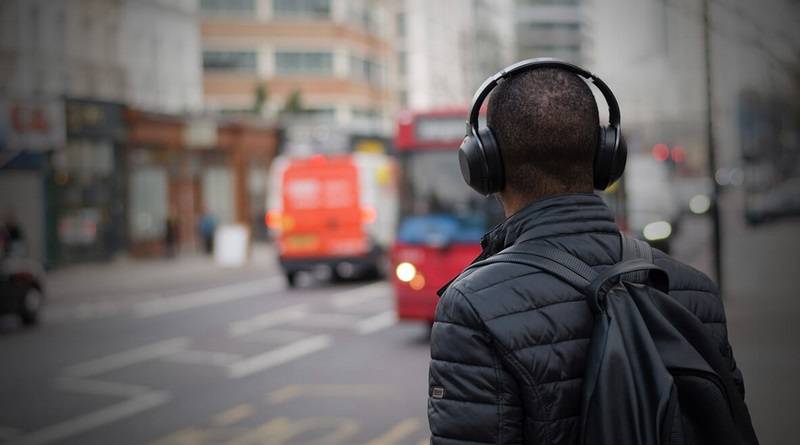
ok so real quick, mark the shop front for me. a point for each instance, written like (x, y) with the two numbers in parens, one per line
(31, 130)
(87, 184)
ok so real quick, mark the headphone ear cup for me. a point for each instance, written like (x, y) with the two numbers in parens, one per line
(620, 160)
(606, 166)
(472, 164)
(495, 173)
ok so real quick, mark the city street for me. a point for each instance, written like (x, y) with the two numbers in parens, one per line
(185, 352)
(229, 356)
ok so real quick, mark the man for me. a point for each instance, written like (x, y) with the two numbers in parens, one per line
(509, 341)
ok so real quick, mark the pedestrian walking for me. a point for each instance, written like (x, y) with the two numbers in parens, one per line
(12, 238)
(206, 227)
(564, 331)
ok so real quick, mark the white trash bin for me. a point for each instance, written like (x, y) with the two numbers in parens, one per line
(231, 245)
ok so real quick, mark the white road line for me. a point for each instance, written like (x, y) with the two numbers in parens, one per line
(376, 323)
(206, 297)
(278, 356)
(278, 336)
(359, 295)
(195, 357)
(99, 387)
(96, 419)
(127, 358)
(267, 319)
(333, 320)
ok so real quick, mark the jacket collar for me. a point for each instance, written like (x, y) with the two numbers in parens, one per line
(548, 217)
(551, 216)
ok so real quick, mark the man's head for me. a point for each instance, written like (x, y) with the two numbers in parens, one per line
(546, 124)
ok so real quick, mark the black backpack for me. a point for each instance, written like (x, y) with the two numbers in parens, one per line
(654, 375)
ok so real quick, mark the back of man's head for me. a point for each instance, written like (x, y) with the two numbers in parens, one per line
(546, 124)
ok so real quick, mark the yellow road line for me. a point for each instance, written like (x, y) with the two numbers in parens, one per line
(233, 415)
(292, 392)
(397, 432)
(281, 430)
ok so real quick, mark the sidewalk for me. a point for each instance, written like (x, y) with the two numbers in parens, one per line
(762, 276)
(125, 277)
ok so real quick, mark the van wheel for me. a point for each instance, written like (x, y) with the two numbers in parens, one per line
(30, 306)
(291, 279)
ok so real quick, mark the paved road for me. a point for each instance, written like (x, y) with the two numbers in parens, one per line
(240, 361)
(164, 352)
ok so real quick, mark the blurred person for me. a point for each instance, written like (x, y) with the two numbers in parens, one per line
(206, 227)
(510, 342)
(12, 238)
(170, 235)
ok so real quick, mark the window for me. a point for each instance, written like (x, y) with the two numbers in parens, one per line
(148, 203)
(402, 62)
(365, 69)
(293, 63)
(244, 61)
(325, 114)
(228, 7)
(401, 24)
(301, 8)
(549, 2)
(569, 27)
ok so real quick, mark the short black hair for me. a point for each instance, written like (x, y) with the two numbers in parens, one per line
(546, 123)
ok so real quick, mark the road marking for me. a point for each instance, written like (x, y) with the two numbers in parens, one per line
(187, 436)
(195, 357)
(278, 356)
(280, 431)
(278, 336)
(359, 295)
(267, 319)
(127, 358)
(84, 311)
(326, 321)
(292, 392)
(207, 297)
(396, 433)
(99, 387)
(96, 419)
(233, 415)
(376, 323)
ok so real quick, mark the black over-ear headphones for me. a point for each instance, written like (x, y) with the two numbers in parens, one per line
(479, 155)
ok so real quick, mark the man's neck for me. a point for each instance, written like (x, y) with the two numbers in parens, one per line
(514, 202)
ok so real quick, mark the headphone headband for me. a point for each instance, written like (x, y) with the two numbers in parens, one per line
(544, 62)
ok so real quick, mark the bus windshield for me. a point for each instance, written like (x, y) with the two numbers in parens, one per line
(436, 207)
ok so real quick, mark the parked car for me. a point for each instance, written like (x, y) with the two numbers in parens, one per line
(21, 289)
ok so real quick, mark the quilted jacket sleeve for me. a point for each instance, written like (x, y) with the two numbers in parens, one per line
(472, 399)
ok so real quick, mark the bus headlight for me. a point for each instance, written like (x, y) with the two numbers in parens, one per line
(658, 230)
(405, 272)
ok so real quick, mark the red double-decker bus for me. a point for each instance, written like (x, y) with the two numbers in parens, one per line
(441, 220)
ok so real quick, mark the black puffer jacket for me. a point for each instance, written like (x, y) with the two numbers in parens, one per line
(509, 342)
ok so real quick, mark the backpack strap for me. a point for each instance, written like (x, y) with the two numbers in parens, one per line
(558, 263)
(633, 249)
(636, 265)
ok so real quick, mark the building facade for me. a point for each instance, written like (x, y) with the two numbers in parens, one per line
(141, 53)
(325, 60)
(550, 28)
(447, 48)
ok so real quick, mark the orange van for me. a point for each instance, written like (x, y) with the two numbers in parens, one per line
(335, 213)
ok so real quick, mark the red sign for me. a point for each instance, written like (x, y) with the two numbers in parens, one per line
(33, 124)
